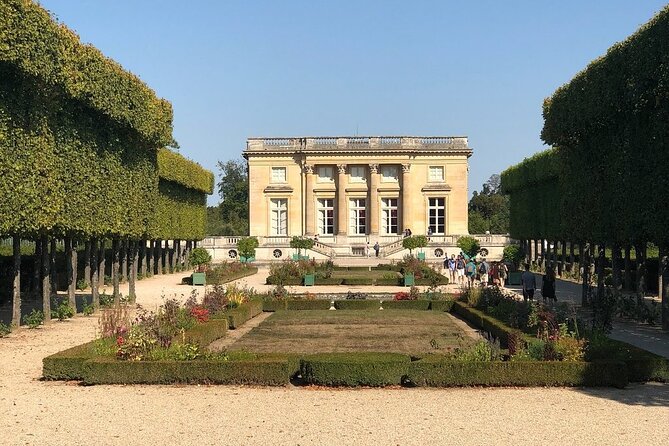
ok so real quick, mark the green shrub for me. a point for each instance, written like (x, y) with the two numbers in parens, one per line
(82, 284)
(355, 369)
(406, 305)
(350, 304)
(441, 305)
(274, 280)
(358, 281)
(441, 372)
(68, 364)
(317, 304)
(237, 316)
(327, 281)
(5, 330)
(273, 305)
(469, 245)
(34, 319)
(395, 281)
(61, 309)
(496, 328)
(207, 332)
(258, 371)
(642, 365)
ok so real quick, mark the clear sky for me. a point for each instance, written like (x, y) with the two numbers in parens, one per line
(234, 69)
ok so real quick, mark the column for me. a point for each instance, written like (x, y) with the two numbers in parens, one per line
(374, 178)
(342, 205)
(407, 214)
(309, 197)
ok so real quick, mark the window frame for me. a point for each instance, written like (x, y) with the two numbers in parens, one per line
(278, 225)
(358, 179)
(441, 178)
(389, 179)
(325, 179)
(388, 220)
(433, 216)
(357, 216)
(322, 217)
(279, 169)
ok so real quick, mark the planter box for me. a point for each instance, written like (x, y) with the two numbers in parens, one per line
(514, 278)
(409, 279)
(309, 279)
(421, 256)
(246, 259)
(198, 278)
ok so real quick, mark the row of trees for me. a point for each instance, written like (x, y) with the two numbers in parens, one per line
(603, 184)
(82, 157)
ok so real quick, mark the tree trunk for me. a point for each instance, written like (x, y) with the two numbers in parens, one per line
(124, 260)
(95, 275)
(152, 256)
(132, 269)
(543, 255)
(601, 263)
(627, 285)
(179, 253)
(159, 257)
(37, 270)
(87, 262)
(563, 261)
(640, 249)
(664, 269)
(16, 291)
(142, 257)
(167, 257)
(102, 263)
(46, 285)
(571, 256)
(52, 268)
(615, 270)
(585, 264)
(71, 264)
(116, 266)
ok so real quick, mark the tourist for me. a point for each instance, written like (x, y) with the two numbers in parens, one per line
(452, 267)
(548, 285)
(429, 233)
(484, 269)
(471, 271)
(316, 238)
(460, 268)
(529, 283)
(503, 272)
(376, 248)
(367, 249)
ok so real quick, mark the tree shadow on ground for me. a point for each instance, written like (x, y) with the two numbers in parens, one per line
(635, 394)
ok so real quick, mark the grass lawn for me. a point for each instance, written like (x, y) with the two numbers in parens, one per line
(399, 331)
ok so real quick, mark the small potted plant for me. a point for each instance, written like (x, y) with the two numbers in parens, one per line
(421, 242)
(199, 259)
(247, 249)
(301, 243)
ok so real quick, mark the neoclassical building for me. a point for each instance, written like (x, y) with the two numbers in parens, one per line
(349, 191)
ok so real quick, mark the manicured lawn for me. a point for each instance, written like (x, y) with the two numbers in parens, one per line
(311, 331)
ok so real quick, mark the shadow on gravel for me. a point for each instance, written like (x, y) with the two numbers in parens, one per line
(649, 394)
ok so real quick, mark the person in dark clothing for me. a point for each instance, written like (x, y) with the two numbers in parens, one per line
(548, 285)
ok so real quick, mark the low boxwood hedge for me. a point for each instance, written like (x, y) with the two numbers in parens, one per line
(258, 371)
(272, 280)
(358, 281)
(406, 304)
(427, 282)
(642, 365)
(68, 364)
(237, 316)
(441, 305)
(438, 372)
(397, 281)
(206, 333)
(220, 280)
(328, 281)
(354, 369)
(317, 304)
(355, 304)
(273, 305)
(496, 328)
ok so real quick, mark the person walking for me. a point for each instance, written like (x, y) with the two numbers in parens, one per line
(484, 270)
(451, 267)
(376, 248)
(548, 285)
(529, 282)
(471, 271)
(367, 249)
(503, 272)
(460, 268)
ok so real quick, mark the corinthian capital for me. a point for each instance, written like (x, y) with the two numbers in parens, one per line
(341, 168)
(309, 168)
(406, 168)
(374, 168)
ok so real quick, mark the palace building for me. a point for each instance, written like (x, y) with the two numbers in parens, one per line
(349, 191)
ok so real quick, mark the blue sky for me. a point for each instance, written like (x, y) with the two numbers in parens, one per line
(234, 69)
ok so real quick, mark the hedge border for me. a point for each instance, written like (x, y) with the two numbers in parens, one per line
(238, 316)
(252, 270)
(357, 304)
(354, 369)
(317, 304)
(442, 305)
(420, 304)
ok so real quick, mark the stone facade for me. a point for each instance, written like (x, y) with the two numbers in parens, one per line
(348, 191)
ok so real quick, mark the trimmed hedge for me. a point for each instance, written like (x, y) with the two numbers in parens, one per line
(642, 365)
(68, 364)
(438, 372)
(317, 304)
(271, 280)
(273, 305)
(174, 167)
(355, 369)
(496, 328)
(251, 270)
(355, 304)
(406, 305)
(328, 281)
(258, 371)
(358, 281)
(427, 282)
(389, 282)
(206, 333)
(237, 316)
(441, 305)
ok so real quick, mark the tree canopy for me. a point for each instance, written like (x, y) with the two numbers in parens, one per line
(489, 209)
(231, 216)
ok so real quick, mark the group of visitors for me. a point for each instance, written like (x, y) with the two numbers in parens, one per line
(529, 283)
(465, 270)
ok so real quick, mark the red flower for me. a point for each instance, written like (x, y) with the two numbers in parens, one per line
(120, 341)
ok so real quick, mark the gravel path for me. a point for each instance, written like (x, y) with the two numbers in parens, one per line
(33, 412)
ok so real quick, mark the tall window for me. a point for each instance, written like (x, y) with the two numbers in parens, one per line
(279, 216)
(389, 215)
(325, 174)
(278, 174)
(389, 173)
(326, 216)
(437, 215)
(436, 173)
(358, 174)
(358, 216)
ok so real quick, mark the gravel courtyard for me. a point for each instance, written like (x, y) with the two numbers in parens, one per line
(35, 412)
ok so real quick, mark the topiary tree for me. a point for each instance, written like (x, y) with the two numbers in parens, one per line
(301, 243)
(410, 243)
(199, 258)
(247, 246)
(469, 245)
(421, 241)
(513, 254)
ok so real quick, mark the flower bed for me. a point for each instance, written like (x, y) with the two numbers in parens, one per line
(229, 271)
